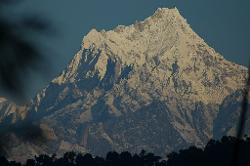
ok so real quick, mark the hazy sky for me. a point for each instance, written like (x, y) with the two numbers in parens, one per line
(223, 24)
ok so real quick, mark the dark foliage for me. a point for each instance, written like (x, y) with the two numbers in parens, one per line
(242, 121)
(20, 53)
(20, 49)
(216, 153)
(26, 131)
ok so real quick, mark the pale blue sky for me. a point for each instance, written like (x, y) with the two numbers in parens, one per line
(223, 24)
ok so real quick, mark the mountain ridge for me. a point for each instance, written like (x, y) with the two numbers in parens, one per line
(103, 39)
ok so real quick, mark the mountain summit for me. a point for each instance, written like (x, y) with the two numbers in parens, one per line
(153, 85)
(158, 44)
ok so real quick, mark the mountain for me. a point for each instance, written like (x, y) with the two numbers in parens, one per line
(153, 85)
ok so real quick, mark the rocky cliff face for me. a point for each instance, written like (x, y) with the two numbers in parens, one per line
(154, 85)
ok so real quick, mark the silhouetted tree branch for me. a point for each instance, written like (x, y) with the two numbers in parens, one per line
(20, 52)
(20, 49)
(242, 120)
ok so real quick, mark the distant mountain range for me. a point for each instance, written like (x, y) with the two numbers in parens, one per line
(154, 85)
